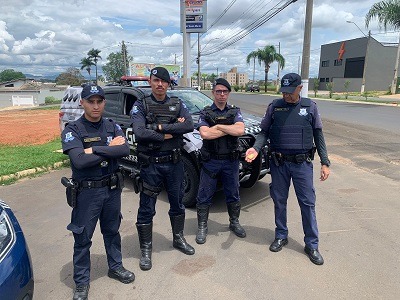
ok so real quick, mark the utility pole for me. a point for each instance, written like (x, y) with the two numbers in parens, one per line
(198, 62)
(305, 64)
(393, 88)
(279, 69)
(124, 56)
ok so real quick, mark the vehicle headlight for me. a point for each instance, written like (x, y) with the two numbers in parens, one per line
(7, 234)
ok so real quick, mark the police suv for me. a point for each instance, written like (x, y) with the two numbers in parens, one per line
(121, 98)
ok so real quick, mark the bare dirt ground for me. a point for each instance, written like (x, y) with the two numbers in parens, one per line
(28, 126)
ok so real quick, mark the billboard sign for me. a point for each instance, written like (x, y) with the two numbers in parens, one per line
(143, 69)
(194, 16)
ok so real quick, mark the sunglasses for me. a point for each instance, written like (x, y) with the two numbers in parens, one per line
(220, 92)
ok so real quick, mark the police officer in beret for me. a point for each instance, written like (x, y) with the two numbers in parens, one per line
(220, 126)
(93, 145)
(159, 122)
(293, 125)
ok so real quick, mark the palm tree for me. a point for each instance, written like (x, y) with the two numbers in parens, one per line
(94, 55)
(86, 63)
(267, 56)
(388, 15)
(252, 55)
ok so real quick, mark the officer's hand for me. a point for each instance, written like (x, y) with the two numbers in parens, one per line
(88, 150)
(167, 136)
(251, 154)
(325, 171)
(181, 119)
(117, 141)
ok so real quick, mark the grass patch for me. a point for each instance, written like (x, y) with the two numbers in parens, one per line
(14, 159)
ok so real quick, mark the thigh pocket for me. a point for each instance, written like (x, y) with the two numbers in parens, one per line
(79, 233)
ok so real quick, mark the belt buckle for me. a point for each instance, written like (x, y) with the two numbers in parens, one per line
(89, 184)
(156, 159)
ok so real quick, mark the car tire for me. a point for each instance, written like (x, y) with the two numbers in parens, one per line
(191, 182)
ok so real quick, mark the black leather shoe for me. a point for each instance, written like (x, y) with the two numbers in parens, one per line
(278, 244)
(81, 292)
(314, 256)
(122, 275)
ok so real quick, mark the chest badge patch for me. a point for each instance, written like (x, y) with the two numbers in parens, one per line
(303, 112)
(172, 108)
(92, 139)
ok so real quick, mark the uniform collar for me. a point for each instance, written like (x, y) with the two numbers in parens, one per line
(214, 107)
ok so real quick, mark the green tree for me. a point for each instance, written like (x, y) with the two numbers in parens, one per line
(388, 15)
(346, 88)
(114, 68)
(316, 86)
(86, 63)
(252, 55)
(267, 56)
(329, 87)
(93, 54)
(71, 77)
(10, 74)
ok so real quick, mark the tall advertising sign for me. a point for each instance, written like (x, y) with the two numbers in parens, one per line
(194, 16)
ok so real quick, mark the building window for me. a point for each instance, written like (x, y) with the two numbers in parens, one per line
(322, 80)
(325, 63)
(326, 79)
(338, 62)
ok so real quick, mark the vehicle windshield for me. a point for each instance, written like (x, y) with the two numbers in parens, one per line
(194, 100)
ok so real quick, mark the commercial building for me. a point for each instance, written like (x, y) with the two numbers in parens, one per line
(365, 63)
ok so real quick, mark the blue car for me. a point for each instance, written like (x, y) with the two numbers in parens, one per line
(16, 276)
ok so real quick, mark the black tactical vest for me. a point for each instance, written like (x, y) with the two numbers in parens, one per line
(225, 144)
(291, 127)
(162, 113)
(106, 167)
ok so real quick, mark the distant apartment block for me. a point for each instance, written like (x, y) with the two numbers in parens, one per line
(235, 78)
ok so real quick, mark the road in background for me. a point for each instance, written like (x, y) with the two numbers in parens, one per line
(357, 212)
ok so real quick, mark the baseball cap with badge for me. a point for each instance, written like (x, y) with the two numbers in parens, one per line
(92, 90)
(161, 73)
(290, 82)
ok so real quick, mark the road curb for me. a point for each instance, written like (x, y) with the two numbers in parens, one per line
(28, 172)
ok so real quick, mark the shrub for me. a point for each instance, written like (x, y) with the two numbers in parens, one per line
(51, 100)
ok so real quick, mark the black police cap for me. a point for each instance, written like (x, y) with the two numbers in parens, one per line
(161, 73)
(223, 82)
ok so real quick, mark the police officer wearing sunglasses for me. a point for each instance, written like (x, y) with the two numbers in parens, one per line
(220, 126)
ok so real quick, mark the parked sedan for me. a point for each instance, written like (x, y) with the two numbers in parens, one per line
(16, 276)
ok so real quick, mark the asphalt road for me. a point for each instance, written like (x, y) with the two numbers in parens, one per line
(357, 211)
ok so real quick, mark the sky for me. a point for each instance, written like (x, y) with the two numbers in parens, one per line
(46, 37)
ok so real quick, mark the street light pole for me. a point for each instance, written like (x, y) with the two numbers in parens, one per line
(305, 64)
(357, 27)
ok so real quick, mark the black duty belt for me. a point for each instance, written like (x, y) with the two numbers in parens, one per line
(160, 159)
(94, 183)
(296, 158)
(220, 156)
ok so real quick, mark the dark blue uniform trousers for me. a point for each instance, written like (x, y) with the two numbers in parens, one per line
(156, 175)
(225, 170)
(92, 205)
(302, 177)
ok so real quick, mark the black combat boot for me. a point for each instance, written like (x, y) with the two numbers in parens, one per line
(81, 292)
(145, 232)
(202, 217)
(234, 212)
(179, 242)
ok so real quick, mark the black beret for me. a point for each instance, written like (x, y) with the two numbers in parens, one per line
(161, 73)
(223, 82)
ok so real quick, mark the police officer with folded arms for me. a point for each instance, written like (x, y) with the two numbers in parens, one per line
(220, 126)
(159, 122)
(293, 125)
(93, 145)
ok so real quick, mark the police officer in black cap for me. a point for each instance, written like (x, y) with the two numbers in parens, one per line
(159, 123)
(93, 145)
(293, 125)
(220, 125)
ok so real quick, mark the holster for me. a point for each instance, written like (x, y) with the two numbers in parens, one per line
(204, 155)
(71, 191)
(137, 183)
(277, 158)
(312, 152)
